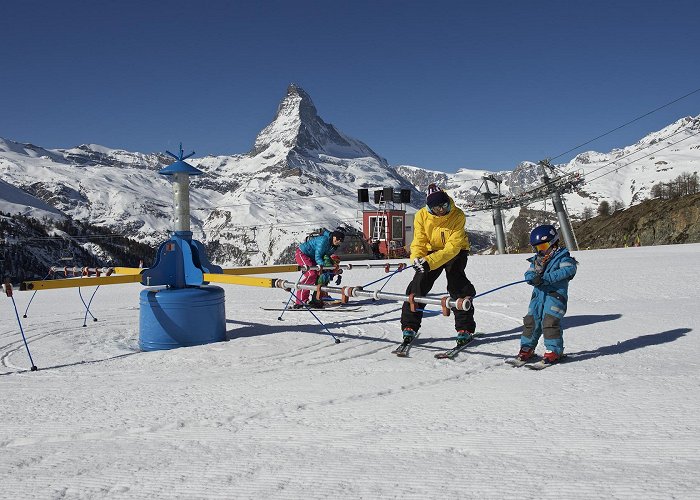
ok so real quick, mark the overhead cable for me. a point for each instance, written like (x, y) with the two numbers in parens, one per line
(627, 123)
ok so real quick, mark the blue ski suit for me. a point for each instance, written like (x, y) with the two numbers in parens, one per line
(319, 248)
(314, 251)
(548, 302)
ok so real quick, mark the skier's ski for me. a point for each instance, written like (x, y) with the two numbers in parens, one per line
(450, 354)
(314, 309)
(326, 303)
(402, 350)
(517, 362)
(541, 365)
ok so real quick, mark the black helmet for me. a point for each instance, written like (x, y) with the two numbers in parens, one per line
(339, 234)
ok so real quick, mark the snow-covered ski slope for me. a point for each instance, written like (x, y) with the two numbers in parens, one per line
(280, 411)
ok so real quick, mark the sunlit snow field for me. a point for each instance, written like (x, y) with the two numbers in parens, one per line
(281, 411)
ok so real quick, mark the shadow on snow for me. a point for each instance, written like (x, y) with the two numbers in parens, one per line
(630, 344)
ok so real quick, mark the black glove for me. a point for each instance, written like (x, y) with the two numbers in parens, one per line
(537, 280)
(421, 265)
(338, 277)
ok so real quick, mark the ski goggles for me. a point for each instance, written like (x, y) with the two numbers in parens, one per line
(444, 207)
(541, 247)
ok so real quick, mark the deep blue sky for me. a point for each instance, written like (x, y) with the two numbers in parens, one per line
(437, 84)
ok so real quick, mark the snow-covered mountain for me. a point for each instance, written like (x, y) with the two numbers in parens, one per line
(625, 175)
(301, 173)
(15, 201)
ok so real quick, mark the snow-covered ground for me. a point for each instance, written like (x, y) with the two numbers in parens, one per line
(280, 411)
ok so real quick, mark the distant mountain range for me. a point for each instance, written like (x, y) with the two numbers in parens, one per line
(301, 173)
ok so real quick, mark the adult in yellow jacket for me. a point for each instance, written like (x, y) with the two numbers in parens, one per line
(440, 242)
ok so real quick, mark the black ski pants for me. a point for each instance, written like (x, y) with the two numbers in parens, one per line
(458, 286)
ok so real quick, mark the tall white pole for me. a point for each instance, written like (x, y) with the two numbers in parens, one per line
(181, 192)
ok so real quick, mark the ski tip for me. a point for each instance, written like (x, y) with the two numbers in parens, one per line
(537, 366)
(443, 356)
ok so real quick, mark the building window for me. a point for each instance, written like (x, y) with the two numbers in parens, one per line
(377, 228)
(397, 228)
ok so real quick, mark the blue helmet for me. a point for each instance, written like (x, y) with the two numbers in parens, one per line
(545, 233)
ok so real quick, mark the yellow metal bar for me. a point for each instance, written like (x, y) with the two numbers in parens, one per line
(286, 268)
(136, 278)
(78, 282)
(240, 280)
(128, 270)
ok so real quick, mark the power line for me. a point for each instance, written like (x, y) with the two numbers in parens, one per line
(69, 237)
(284, 224)
(637, 159)
(645, 147)
(266, 202)
(588, 180)
(627, 123)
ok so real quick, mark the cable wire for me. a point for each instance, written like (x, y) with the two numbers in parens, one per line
(640, 158)
(627, 123)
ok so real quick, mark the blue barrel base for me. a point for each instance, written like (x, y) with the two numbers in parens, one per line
(181, 317)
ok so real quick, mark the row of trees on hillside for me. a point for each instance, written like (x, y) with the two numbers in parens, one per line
(605, 208)
(29, 247)
(682, 185)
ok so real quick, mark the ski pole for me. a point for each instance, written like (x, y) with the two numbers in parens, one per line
(503, 286)
(87, 306)
(8, 291)
(479, 295)
(279, 318)
(387, 281)
(32, 297)
(337, 340)
(386, 277)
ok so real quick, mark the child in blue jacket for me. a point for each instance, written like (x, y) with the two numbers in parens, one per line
(316, 251)
(551, 269)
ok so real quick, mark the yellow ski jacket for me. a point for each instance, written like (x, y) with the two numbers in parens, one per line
(439, 239)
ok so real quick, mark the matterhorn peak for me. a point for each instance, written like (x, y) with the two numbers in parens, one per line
(299, 102)
(298, 130)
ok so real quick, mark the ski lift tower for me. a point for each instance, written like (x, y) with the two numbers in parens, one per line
(494, 200)
(562, 215)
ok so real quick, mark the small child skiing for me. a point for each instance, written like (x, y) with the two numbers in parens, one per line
(326, 277)
(316, 251)
(551, 269)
